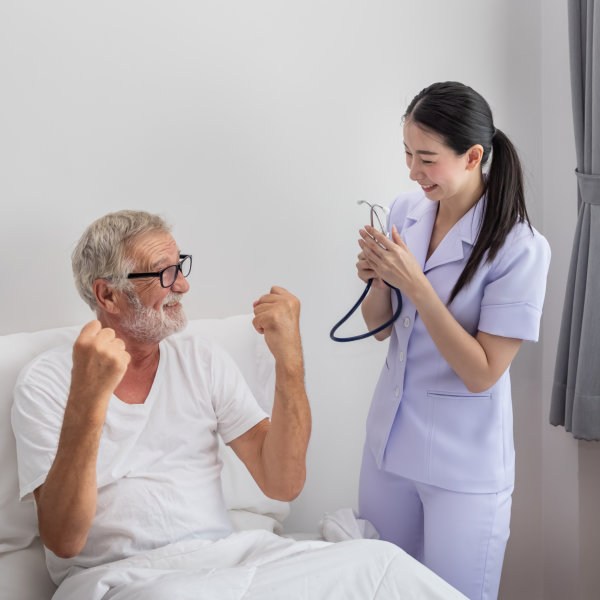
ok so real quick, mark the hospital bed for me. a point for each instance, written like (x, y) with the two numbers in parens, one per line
(23, 574)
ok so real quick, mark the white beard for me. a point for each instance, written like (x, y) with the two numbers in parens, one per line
(146, 324)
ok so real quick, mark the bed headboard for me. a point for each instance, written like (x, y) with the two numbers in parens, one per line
(22, 565)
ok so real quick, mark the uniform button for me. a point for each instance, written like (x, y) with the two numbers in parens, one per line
(406, 322)
(401, 356)
(397, 391)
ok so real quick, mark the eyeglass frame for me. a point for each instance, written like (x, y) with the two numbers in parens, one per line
(159, 274)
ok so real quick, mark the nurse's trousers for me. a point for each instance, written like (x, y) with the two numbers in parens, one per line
(460, 536)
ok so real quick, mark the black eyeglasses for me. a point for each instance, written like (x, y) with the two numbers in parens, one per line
(168, 275)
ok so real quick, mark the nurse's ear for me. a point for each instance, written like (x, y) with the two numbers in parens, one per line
(474, 155)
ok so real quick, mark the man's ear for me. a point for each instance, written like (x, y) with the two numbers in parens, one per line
(474, 156)
(106, 296)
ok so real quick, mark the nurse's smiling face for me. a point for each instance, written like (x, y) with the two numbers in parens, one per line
(441, 173)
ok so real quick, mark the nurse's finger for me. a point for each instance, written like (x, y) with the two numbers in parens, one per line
(362, 259)
(372, 252)
(365, 273)
(364, 264)
(397, 239)
(368, 243)
(381, 239)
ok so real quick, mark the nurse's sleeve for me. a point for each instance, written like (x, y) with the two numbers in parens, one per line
(516, 285)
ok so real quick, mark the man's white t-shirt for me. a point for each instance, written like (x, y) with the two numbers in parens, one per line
(158, 469)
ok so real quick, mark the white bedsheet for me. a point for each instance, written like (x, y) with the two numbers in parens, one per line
(253, 565)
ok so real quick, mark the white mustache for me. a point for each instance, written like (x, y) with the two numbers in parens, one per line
(172, 298)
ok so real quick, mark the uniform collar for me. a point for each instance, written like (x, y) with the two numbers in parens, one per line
(419, 225)
(417, 228)
(422, 208)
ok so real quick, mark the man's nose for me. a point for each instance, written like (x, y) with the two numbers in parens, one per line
(180, 284)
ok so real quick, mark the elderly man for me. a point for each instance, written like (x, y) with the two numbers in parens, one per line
(117, 436)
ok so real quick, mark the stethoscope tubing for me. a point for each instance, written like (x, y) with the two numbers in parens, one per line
(362, 336)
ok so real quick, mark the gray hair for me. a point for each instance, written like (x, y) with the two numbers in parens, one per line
(102, 251)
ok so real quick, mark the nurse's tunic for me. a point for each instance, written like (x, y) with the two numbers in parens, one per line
(423, 423)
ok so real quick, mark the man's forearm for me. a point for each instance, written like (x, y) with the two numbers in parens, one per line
(275, 452)
(286, 442)
(66, 502)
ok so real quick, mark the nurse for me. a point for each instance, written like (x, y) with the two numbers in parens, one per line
(438, 464)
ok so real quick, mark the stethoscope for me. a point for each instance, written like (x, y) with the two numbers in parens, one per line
(377, 212)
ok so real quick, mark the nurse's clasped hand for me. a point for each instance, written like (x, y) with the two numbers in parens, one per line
(390, 260)
(366, 272)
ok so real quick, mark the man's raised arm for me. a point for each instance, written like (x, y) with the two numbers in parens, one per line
(275, 451)
(66, 501)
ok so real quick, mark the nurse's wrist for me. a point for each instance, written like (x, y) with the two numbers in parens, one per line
(422, 294)
(379, 288)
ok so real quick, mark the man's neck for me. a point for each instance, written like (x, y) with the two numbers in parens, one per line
(142, 352)
(139, 377)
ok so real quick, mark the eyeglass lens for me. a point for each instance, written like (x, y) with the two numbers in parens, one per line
(169, 275)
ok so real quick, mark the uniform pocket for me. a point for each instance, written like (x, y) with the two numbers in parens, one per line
(466, 438)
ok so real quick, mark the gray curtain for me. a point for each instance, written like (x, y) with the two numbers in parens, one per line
(576, 390)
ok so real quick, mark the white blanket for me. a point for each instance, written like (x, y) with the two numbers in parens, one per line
(259, 565)
(343, 525)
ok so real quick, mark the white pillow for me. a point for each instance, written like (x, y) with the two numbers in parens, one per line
(249, 507)
(18, 520)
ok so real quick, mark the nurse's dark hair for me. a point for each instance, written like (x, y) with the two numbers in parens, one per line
(463, 118)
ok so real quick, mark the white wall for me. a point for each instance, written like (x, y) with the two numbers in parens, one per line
(560, 509)
(254, 127)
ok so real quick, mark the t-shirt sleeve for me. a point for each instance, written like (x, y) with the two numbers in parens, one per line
(235, 407)
(514, 293)
(39, 401)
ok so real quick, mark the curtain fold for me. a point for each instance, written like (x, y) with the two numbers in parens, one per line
(576, 391)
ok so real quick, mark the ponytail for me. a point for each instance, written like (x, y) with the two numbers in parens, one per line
(504, 207)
